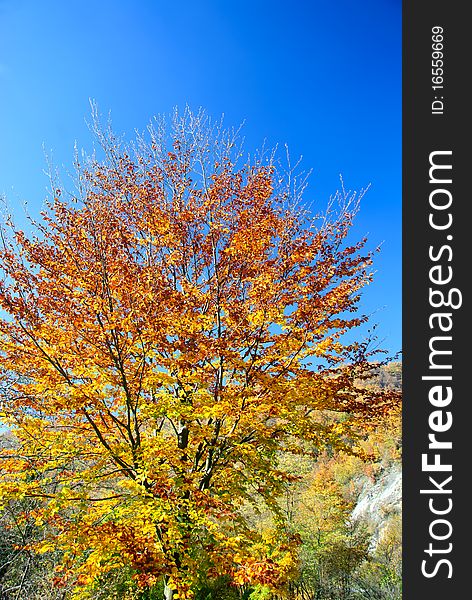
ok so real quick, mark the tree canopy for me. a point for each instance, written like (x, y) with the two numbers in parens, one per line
(169, 328)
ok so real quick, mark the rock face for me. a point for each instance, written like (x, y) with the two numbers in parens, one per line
(379, 501)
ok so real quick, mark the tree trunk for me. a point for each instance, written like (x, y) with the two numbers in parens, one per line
(168, 591)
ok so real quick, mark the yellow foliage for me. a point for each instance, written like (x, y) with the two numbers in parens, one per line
(155, 352)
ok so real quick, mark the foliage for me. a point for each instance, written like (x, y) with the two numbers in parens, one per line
(332, 547)
(388, 376)
(381, 577)
(342, 558)
(170, 329)
(23, 573)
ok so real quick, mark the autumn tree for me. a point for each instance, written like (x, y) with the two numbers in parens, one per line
(167, 329)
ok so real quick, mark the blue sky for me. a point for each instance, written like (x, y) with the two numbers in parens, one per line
(322, 76)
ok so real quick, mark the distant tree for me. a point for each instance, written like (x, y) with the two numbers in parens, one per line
(389, 376)
(333, 547)
(23, 573)
(163, 337)
(381, 576)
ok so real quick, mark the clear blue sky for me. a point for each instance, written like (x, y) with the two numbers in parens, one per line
(323, 76)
